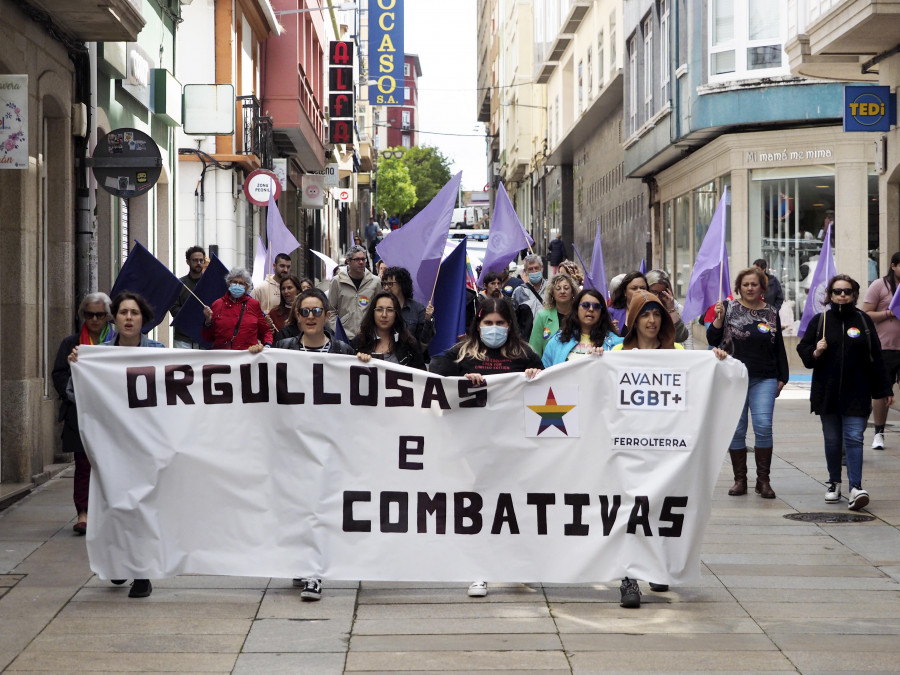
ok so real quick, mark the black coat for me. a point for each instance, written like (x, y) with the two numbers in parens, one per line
(407, 354)
(850, 372)
(68, 413)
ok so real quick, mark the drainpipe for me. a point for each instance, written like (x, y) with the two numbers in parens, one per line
(86, 197)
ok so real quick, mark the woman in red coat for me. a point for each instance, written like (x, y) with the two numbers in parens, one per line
(236, 321)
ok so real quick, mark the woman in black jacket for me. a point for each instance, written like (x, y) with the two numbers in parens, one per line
(96, 328)
(384, 335)
(310, 311)
(843, 349)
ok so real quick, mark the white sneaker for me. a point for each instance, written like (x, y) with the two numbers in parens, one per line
(858, 499)
(478, 589)
(878, 442)
(833, 493)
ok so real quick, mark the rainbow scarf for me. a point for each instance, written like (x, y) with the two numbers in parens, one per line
(108, 334)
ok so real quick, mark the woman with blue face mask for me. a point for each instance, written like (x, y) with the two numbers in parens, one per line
(491, 346)
(236, 321)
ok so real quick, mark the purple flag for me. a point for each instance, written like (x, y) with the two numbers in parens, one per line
(419, 245)
(895, 302)
(598, 271)
(259, 264)
(643, 267)
(280, 238)
(705, 288)
(143, 274)
(450, 302)
(507, 236)
(210, 288)
(815, 297)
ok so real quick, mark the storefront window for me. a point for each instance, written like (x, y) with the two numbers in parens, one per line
(874, 247)
(787, 226)
(666, 262)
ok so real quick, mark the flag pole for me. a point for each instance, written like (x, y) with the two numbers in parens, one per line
(192, 293)
(434, 288)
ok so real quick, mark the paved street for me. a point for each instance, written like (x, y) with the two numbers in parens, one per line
(777, 596)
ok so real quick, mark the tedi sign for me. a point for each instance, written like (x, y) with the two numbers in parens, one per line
(869, 108)
(386, 77)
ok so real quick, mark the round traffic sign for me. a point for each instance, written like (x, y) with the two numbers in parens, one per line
(259, 184)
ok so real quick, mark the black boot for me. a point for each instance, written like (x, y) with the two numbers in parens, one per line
(739, 464)
(763, 464)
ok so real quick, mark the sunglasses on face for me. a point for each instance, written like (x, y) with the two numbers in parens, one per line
(591, 305)
(315, 311)
(842, 291)
(95, 315)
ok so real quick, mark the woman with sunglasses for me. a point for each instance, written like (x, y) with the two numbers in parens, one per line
(587, 330)
(384, 335)
(749, 329)
(95, 329)
(841, 346)
(491, 346)
(310, 317)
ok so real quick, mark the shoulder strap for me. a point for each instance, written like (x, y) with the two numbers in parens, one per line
(238, 324)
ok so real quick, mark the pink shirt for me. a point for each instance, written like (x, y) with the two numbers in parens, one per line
(879, 296)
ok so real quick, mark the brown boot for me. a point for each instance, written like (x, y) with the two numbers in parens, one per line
(739, 464)
(763, 464)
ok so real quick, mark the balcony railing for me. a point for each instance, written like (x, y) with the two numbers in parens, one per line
(256, 132)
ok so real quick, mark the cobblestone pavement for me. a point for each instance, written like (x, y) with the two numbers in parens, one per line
(776, 596)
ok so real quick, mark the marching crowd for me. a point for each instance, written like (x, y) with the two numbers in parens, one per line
(522, 324)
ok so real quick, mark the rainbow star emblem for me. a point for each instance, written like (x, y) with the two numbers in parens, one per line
(551, 414)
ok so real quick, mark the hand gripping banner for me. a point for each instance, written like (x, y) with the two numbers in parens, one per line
(290, 464)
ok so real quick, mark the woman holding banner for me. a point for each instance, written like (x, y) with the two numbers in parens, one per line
(130, 312)
(491, 346)
(750, 330)
(652, 327)
(310, 316)
(384, 335)
(842, 347)
(587, 330)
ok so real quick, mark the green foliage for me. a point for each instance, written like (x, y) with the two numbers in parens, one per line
(429, 171)
(395, 191)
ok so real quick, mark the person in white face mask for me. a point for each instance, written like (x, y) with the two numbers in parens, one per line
(236, 321)
(491, 346)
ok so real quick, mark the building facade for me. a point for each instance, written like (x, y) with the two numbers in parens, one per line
(46, 242)
(710, 103)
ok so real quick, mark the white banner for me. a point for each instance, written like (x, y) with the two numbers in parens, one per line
(294, 464)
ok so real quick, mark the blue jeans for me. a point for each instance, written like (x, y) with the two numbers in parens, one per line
(846, 430)
(760, 402)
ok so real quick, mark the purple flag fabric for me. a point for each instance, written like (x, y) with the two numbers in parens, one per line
(210, 288)
(143, 274)
(643, 267)
(419, 245)
(895, 303)
(450, 302)
(507, 236)
(339, 332)
(598, 271)
(280, 238)
(705, 289)
(815, 297)
(259, 264)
